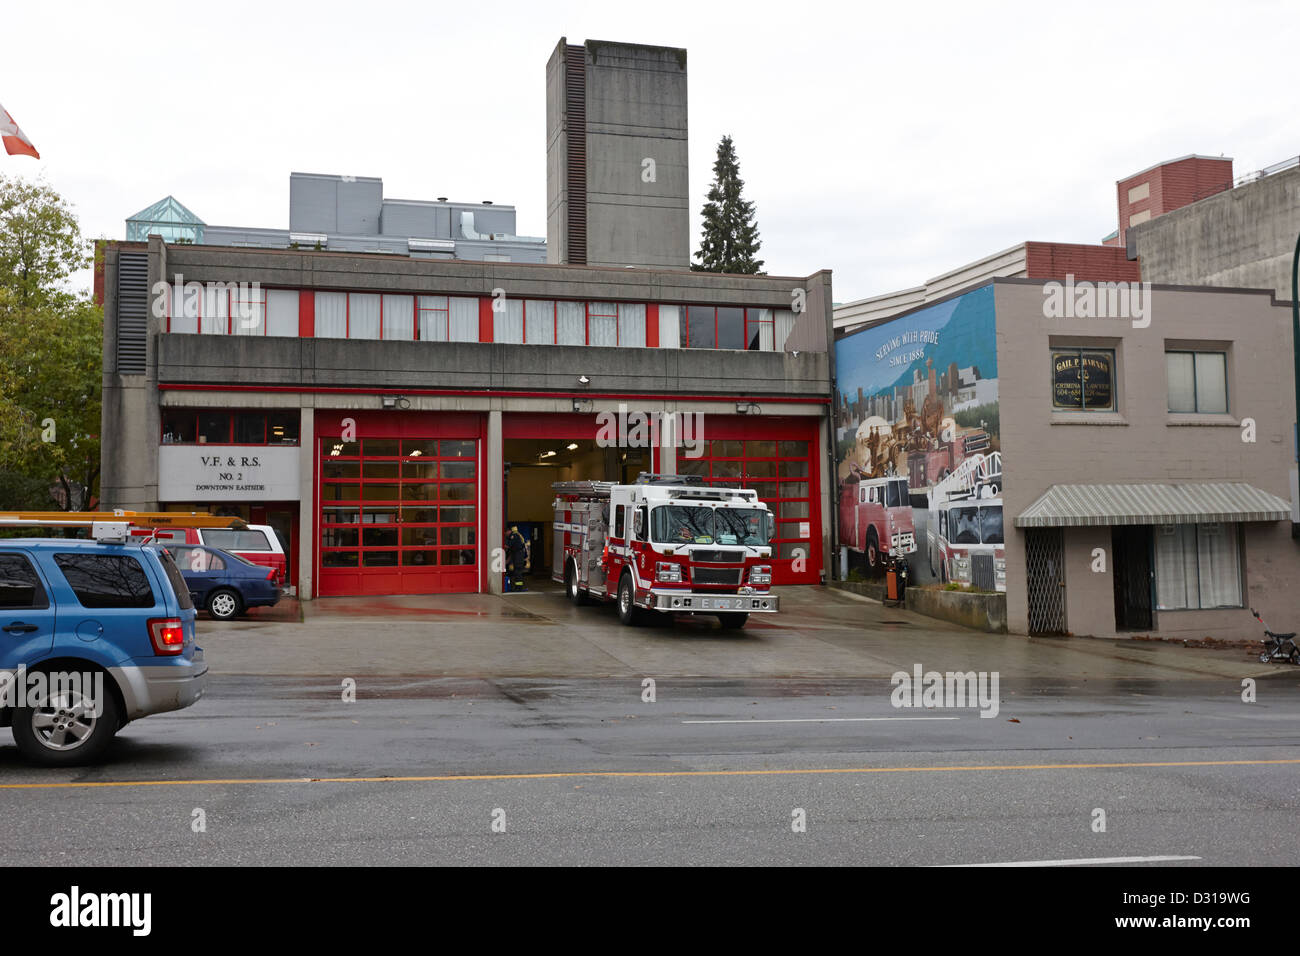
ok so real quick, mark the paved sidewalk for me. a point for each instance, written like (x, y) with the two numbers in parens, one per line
(820, 633)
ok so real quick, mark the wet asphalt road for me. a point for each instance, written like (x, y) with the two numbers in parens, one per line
(282, 771)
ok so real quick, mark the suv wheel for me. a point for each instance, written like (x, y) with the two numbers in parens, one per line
(224, 604)
(63, 730)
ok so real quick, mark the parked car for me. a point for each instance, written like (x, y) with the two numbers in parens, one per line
(221, 582)
(257, 543)
(92, 635)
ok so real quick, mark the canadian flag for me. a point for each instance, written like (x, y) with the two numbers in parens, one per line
(16, 142)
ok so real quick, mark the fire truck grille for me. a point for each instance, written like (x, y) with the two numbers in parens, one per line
(718, 557)
(715, 575)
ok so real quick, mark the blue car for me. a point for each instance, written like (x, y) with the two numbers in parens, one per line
(93, 634)
(222, 582)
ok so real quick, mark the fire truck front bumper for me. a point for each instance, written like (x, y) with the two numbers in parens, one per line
(687, 601)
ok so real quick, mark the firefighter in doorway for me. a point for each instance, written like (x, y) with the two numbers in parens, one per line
(516, 558)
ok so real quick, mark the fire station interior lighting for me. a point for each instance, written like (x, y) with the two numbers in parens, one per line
(583, 380)
(572, 446)
(336, 450)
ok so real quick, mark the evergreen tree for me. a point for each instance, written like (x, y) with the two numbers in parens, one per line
(730, 239)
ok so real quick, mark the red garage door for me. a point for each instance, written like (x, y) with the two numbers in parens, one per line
(778, 459)
(399, 505)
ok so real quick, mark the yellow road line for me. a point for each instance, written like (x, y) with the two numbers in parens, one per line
(567, 775)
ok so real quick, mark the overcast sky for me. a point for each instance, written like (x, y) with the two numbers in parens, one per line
(888, 142)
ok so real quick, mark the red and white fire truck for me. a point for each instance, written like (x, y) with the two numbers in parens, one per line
(876, 519)
(964, 533)
(666, 544)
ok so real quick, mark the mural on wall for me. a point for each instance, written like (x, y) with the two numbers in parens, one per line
(917, 412)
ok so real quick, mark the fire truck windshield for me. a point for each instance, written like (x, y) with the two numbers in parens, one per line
(682, 524)
(982, 525)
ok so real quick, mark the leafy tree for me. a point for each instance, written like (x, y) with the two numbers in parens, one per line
(40, 244)
(730, 239)
(50, 355)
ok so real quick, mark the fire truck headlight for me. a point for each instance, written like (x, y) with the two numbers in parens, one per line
(668, 572)
(760, 574)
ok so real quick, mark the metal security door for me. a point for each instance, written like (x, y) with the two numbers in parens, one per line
(1044, 561)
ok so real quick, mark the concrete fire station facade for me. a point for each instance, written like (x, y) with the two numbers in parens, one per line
(392, 416)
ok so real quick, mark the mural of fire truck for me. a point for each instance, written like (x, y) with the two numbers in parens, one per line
(924, 468)
(965, 532)
(665, 545)
(876, 519)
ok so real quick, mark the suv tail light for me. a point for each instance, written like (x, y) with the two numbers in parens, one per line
(272, 575)
(167, 635)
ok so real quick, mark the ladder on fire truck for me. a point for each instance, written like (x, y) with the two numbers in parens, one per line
(969, 478)
(138, 519)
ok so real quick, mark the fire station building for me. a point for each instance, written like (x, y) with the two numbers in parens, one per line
(392, 417)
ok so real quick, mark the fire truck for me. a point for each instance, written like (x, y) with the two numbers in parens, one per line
(666, 544)
(876, 519)
(965, 532)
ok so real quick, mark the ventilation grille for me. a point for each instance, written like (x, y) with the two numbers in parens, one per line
(132, 311)
(575, 105)
(715, 575)
(981, 569)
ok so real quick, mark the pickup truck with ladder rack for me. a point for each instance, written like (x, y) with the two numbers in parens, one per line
(665, 544)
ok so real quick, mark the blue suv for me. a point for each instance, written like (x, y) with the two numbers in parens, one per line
(92, 635)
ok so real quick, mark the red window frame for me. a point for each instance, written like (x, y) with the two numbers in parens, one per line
(229, 414)
(420, 312)
(684, 325)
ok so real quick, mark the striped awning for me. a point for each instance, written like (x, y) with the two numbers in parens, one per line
(1074, 506)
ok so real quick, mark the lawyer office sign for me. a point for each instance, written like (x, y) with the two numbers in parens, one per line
(202, 473)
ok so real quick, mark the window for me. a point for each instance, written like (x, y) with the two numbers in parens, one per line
(1198, 382)
(508, 320)
(247, 306)
(232, 308)
(631, 324)
(106, 580)
(179, 587)
(446, 318)
(399, 317)
(570, 323)
(189, 426)
(1198, 566)
(760, 332)
(20, 588)
(214, 428)
(196, 559)
(1083, 380)
(539, 321)
(282, 312)
(231, 540)
(250, 428)
(618, 522)
(728, 327)
(602, 323)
